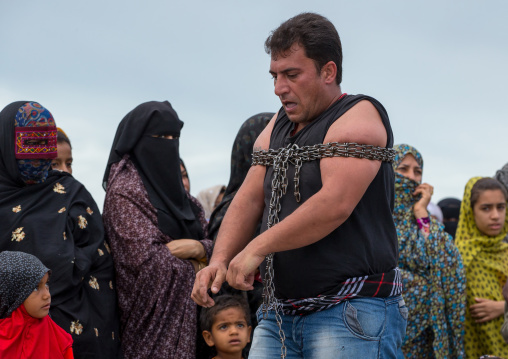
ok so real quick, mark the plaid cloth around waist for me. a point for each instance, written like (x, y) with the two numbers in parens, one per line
(380, 285)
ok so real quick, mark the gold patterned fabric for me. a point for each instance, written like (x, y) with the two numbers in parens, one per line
(486, 261)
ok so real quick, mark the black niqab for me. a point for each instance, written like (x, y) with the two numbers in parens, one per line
(157, 160)
(451, 211)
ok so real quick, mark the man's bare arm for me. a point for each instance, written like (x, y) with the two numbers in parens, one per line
(242, 217)
(237, 228)
(345, 181)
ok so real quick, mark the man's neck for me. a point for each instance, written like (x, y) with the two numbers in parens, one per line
(298, 126)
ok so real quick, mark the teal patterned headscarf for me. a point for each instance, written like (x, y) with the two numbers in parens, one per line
(404, 186)
(432, 274)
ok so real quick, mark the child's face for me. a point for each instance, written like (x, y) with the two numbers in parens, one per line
(38, 303)
(230, 332)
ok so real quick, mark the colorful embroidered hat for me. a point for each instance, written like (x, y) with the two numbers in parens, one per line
(35, 133)
(35, 142)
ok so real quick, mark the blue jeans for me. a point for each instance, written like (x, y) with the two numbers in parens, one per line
(361, 328)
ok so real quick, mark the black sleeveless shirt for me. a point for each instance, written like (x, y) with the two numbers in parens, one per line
(364, 245)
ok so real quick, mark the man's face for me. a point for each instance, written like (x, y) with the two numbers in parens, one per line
(299, 86)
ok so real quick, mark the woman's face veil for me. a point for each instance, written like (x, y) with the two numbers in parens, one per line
(29, 142)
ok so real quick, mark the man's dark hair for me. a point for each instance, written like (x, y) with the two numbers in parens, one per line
(315, 33)
(484, 184)
(222, 302)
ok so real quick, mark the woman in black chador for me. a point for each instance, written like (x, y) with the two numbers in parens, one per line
(53, 217)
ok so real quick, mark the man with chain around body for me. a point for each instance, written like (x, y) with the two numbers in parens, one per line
(322, 184)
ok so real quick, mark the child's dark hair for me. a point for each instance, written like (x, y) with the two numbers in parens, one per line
(223, 302)
(61, 137)
(484, 184)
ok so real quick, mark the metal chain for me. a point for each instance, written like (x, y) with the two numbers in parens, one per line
(279, 187)
(331, 149)
(296, 155)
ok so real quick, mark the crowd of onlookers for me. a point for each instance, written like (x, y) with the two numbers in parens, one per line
(120, 282)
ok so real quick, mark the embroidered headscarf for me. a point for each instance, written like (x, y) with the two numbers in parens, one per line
(241, 160)
(33, 146)
(486, 261)
(432, 275)
(20, 273)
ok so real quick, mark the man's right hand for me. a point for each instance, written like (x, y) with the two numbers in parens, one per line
(212, 277)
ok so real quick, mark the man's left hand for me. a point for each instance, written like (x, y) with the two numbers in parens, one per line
(242, 269)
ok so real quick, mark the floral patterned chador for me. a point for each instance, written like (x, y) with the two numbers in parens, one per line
(146, 208)
(432, 274)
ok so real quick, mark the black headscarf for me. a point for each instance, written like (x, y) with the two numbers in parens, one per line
(158, 163)
(451, 210)
(20, 273)
(9, 172)
(241, 160)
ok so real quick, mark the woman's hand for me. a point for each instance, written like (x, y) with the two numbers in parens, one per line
(186, 248)
(420, 208)
(195, 264)
(485, 309)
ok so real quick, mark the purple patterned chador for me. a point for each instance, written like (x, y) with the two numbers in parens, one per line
(159, 318)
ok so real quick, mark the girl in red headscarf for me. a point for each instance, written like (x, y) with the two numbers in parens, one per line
(26, 330)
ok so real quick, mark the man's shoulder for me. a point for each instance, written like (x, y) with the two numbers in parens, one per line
(362, 120)
(263, 140)
(353, 101)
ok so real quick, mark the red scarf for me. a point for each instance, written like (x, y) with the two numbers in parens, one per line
(22, 336)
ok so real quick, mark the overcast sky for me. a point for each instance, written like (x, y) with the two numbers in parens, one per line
(439, 67)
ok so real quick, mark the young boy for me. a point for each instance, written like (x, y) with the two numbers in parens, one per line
(226, 326)
(26, 331)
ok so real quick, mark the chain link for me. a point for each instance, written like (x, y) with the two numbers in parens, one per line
(296, 155)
